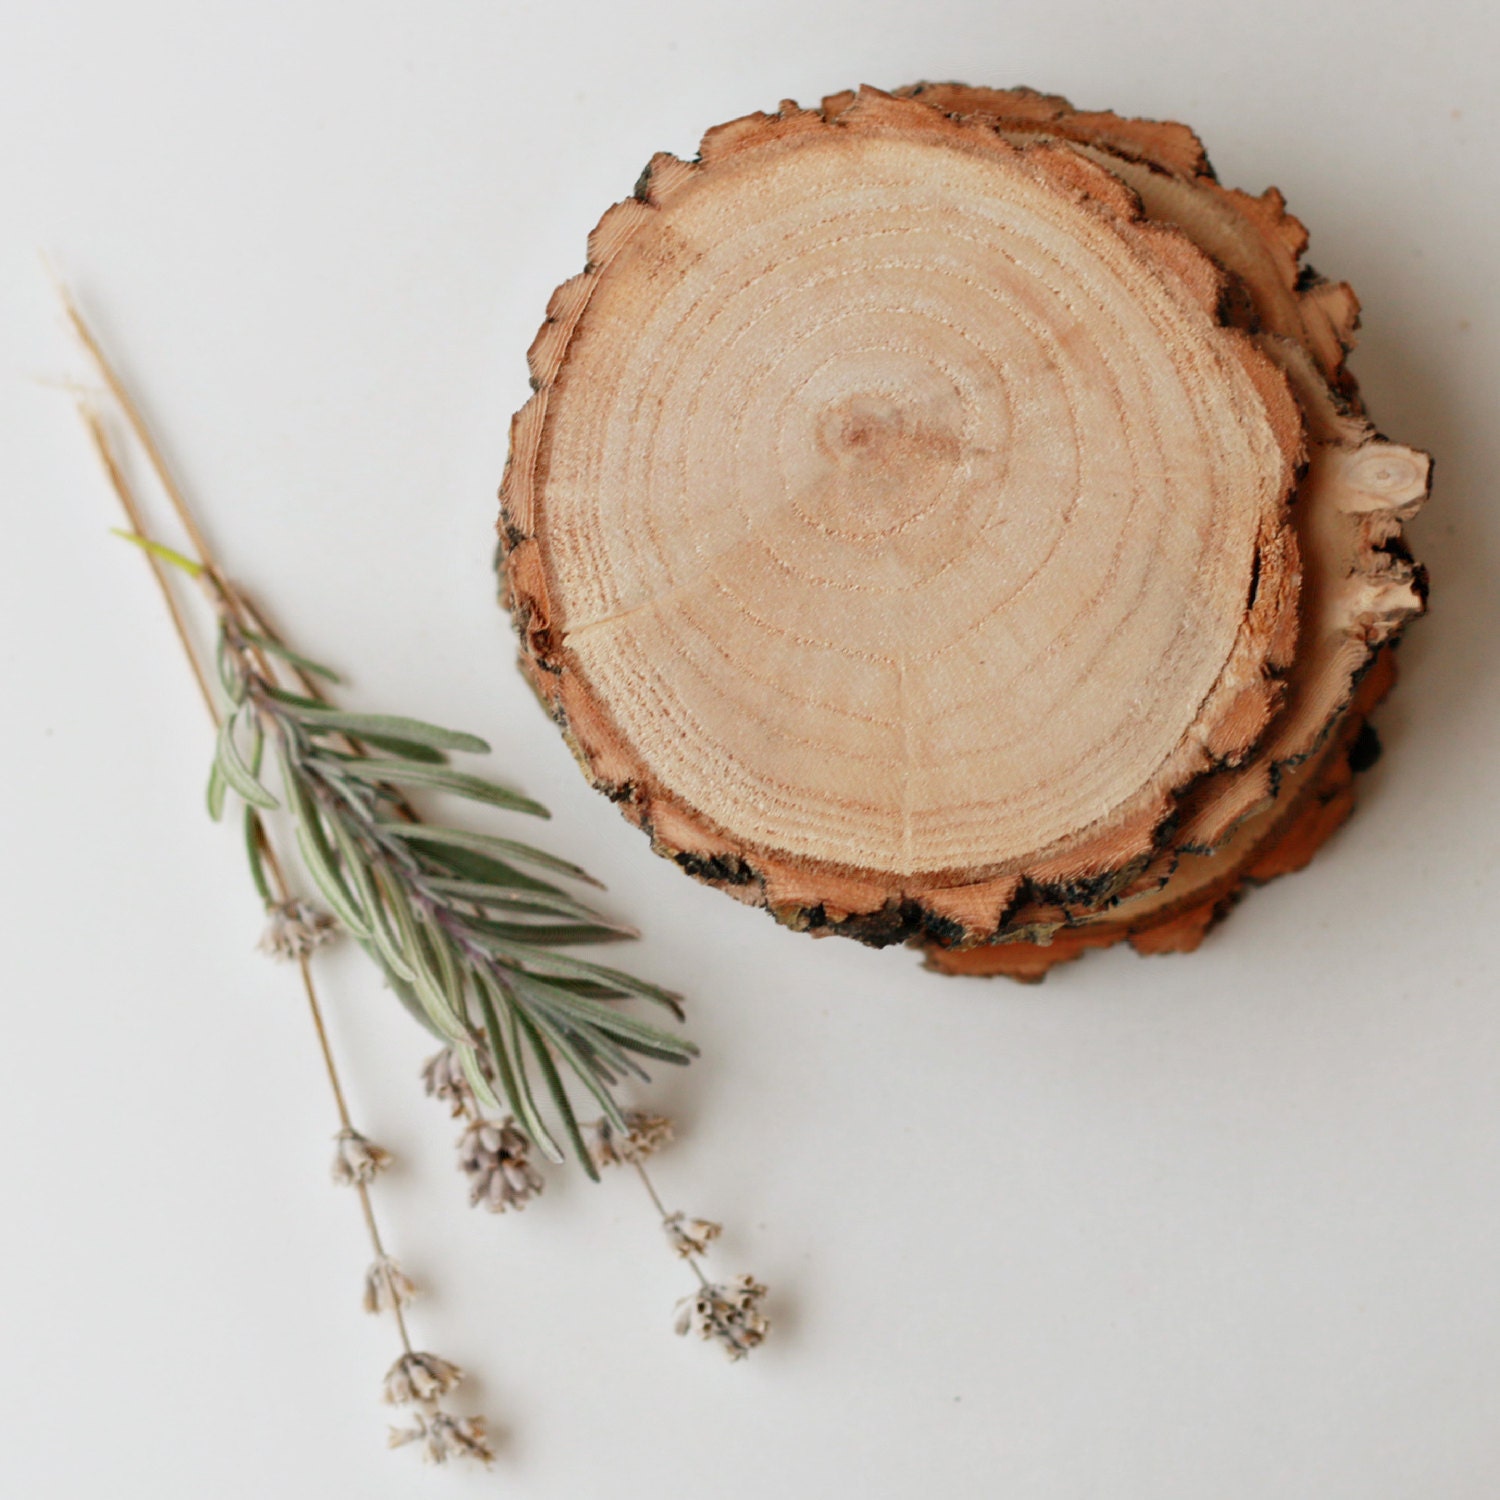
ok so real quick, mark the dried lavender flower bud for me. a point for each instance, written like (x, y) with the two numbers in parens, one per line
(294, 928)
(443, 1078)
(387, 1286)
(493, 1155)
(417, 1377)
(356, 1159)
(644, 1136)
(729, 1313)
(689, 1237)
(444, 1436)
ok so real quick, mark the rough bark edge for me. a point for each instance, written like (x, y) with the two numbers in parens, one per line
(1293, 833)
(959, 907)
(1166, 142)
(1356, 496)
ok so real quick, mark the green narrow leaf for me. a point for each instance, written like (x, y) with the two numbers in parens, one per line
(615, 1042)
(448, 972)
(386, 935)
(484, 870)
(217, 787)
(595, 1045)
(257, 747)
(316, 854)
(605, 1060)
(367, 726)
(324, 877)
(156, 549)
(490, 844)
(608, 1032)
(236, 772)
(560, 1100)
(558, 1036)
(406, 749)
(468, 1060)
(590, 989)
(504, 1047)
(291, 699)
(231, 678)
(441, 779)
(550, 934)
(256, 857)
(370, 900)
(286, 653)
(425, 979)
(548, 962)
(578, 1012)
(435, 1002)
(396, 903)
(537, 903)
(407, 996)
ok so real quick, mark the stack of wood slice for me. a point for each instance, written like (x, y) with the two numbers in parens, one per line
(947, 517)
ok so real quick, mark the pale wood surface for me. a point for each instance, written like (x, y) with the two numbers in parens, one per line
(897, 516)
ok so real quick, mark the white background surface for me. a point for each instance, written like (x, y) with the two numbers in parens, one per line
(1223, 1226)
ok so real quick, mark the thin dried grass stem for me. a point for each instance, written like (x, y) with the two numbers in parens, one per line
(222, 594)
(137, 422)
(650, 1189)
(320, 1029)
(661, 1210)
(368, 1210)
(126, 496)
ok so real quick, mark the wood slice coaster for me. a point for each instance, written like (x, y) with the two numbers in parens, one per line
(939, 517)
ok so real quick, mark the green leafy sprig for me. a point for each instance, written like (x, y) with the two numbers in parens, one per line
(465, 925)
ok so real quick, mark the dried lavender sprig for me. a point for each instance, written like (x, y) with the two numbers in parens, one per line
(357, 1162)
(466, 933)
(727, 1313)
(296, 929)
